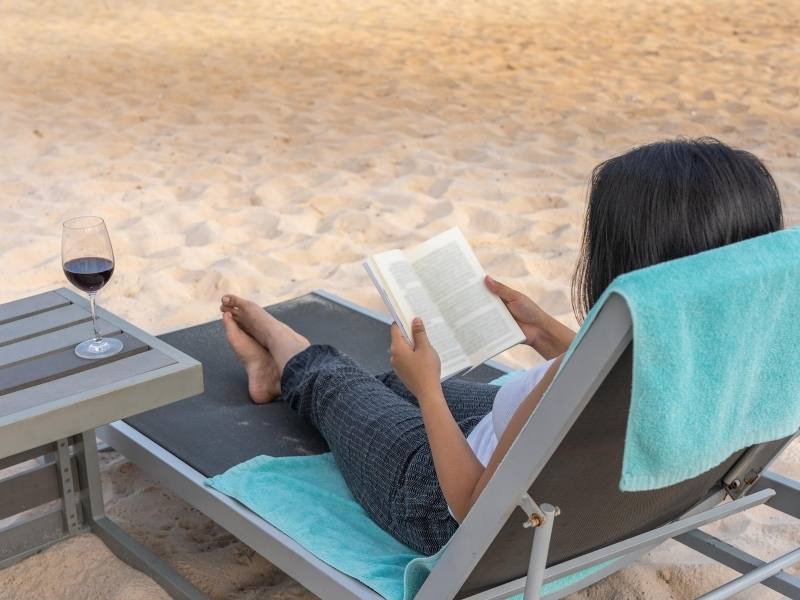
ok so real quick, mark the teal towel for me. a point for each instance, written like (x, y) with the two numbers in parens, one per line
(503, 379)
(307, 498)
(716, 366)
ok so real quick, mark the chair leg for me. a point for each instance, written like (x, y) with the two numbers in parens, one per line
(753, 577)
(739, 560)
(539, 551)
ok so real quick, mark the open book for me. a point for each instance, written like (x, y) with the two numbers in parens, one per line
(442, 282)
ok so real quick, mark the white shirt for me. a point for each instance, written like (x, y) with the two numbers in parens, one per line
(483, 439)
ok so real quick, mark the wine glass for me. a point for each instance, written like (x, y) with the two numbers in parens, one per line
(88, 261)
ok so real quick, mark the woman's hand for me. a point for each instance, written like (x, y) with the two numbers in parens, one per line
(418, 367)
(548, 336)
(525, 311)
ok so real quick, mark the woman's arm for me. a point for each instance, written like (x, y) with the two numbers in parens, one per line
(457, 468)
(461, 475)
(545, 334)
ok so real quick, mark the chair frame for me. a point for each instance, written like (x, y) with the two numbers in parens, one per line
(597, 352)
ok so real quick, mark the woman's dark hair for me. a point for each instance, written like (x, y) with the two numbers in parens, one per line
(666, 200)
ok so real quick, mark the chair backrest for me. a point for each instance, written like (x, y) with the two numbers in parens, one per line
(582, 478)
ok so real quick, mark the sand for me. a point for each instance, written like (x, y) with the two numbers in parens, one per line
(266, 148)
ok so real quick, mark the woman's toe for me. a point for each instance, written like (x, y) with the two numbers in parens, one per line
(230, 300)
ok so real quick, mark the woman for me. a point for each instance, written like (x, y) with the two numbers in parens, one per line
(415, 452)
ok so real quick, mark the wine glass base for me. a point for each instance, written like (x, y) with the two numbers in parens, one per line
(102, 348)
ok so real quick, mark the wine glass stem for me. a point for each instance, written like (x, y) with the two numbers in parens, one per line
(94, 316)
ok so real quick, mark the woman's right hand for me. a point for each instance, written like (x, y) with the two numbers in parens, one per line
(548, 336)
(525, 311)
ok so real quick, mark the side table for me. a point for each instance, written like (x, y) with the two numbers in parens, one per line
(51, 401)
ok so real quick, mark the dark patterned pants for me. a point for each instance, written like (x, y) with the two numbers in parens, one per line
(375, 431)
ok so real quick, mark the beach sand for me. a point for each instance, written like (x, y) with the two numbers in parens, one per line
(267, 148)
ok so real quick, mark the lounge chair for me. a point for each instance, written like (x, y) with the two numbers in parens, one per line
(569, 457)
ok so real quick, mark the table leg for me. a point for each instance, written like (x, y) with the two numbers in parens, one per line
(53, 492)
(120, 543)
(38, 499)
(68, 482)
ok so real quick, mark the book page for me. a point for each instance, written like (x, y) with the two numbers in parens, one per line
(454, 280)
(386, 295)
(413, 300)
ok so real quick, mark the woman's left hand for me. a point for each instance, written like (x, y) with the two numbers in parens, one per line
(418, 366)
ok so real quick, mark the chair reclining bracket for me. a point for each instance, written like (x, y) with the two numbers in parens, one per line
(746, 472)
(541, 518)
(536, 516)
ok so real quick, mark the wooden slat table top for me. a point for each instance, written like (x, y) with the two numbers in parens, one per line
(29, 306)
(47, 393)
(42, 322)
(53, 341)
(37, 370)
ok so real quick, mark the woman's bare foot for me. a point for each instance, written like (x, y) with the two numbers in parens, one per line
(263, 376)
(279, 339)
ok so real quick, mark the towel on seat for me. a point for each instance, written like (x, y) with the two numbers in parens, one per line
(307, 498)
(503, 379)
(716, 364)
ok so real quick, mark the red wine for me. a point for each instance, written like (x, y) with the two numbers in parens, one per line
(90, 273)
